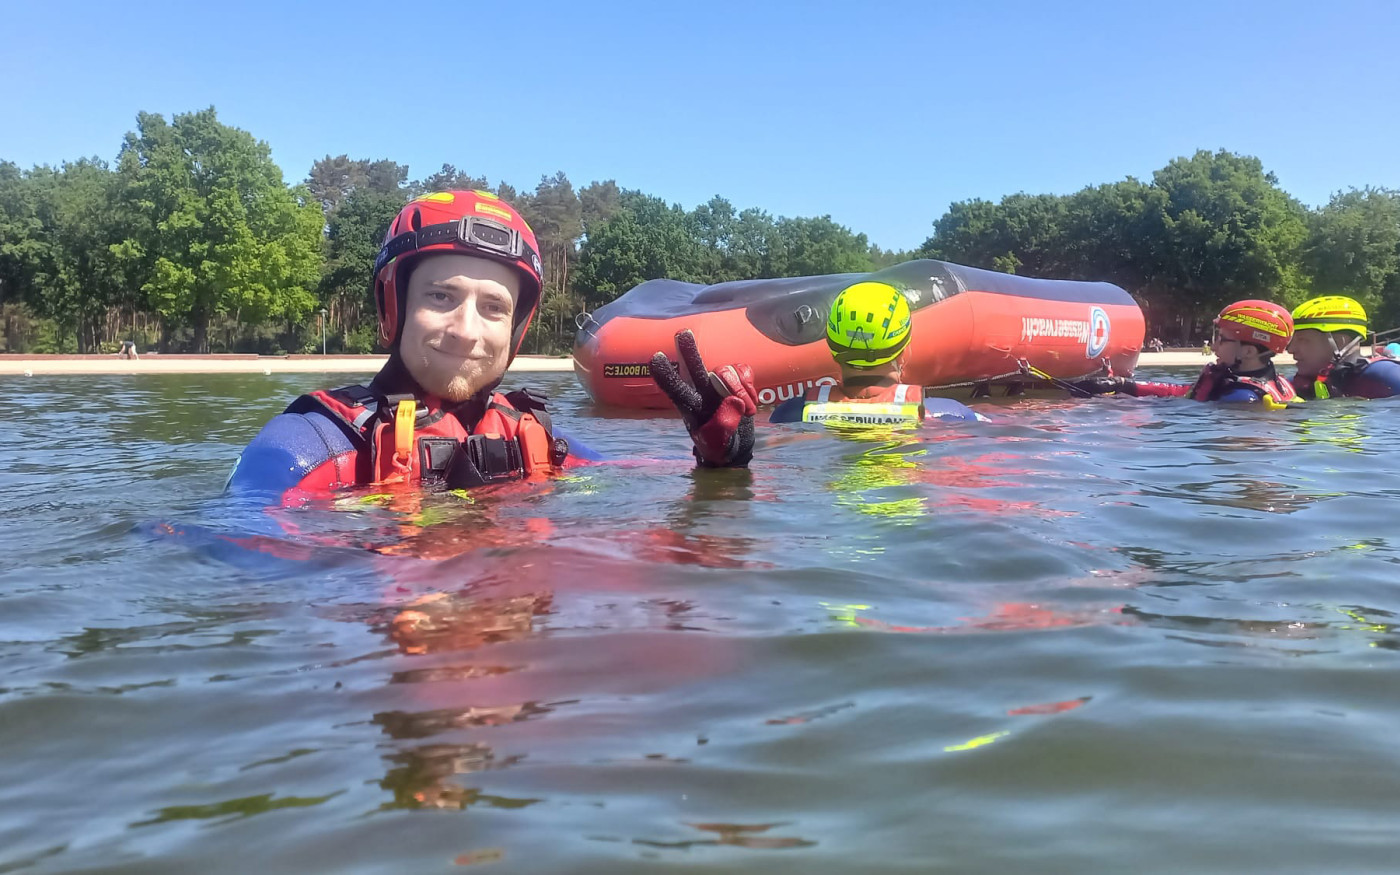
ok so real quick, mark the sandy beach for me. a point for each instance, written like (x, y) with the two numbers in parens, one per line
(13, 365)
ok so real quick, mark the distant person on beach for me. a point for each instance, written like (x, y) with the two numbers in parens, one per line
(1248, 334)
(1327, 338)
(128, 350)
(455, 287)
(868, 330)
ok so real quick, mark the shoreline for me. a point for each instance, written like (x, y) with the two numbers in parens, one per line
(48, 366)
(52, 365)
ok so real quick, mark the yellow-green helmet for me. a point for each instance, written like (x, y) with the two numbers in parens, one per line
(868, 326)
(1331, 313)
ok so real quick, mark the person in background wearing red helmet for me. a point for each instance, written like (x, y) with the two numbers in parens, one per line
(456, 285)
(1248, 334)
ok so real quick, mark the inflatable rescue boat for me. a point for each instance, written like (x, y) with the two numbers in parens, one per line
(974, 331)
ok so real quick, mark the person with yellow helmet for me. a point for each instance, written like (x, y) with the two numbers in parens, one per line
(1327, 338)
(867, 331)
(1248, 334)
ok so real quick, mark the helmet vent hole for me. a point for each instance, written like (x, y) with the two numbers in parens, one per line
(417, 220)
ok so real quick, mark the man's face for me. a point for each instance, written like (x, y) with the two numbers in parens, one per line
(1238, 355)
(1227, 352)
(459, 312)
(1310, 350)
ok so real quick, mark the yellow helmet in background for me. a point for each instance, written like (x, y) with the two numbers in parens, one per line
(869, 325)
(1331, 313)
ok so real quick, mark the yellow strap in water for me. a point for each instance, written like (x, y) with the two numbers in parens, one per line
(403, 430)
(977, 742)
(1271, 404)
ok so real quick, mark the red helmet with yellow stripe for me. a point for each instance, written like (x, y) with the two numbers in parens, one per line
(470, 222)
(1262, 323)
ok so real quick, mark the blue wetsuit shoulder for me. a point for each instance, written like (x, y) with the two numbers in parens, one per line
(947, 408)
(1380, 379)
(288, 448)
(1238, 394)
(789, 411)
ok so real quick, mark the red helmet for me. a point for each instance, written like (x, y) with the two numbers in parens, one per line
(471, 222)
(1261, 323)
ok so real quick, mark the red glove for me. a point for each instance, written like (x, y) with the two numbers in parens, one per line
(718, 411)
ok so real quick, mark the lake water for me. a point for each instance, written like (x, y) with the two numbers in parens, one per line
(1112, 636)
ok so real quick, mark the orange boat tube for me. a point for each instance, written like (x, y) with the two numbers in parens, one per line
(972, 329)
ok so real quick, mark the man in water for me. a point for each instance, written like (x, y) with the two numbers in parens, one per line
(867, 332)
(455, 287)
(1327, 336)
(1248, 334)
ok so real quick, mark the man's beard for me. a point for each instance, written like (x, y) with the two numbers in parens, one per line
(457, 387)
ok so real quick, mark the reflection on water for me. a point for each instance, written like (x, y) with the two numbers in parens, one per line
(1246, 493)
(752, 836)
(233, 808)
(1116, 635)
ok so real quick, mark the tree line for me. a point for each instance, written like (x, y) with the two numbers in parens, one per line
(192, 241)
(1208, 229)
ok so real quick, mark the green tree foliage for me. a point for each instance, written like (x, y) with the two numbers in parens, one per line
(332, 180)
(1208, 229)
(598, 202)
(22, 245)
(1023, 234)
(354, 235)
(1229, 231)
(555, 214)
(219, 228)
(196, 231)
(1353, 249)
(78, 276)
(449, 178)
(811, 247)
(712, 224)
(881, 258)
(645, 239)
(1113, 233)
(755, 247)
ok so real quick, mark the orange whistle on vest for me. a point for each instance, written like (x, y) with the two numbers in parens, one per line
(404, 416)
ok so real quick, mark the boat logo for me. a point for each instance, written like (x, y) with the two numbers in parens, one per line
(628, 369)
(1076, 330)
(1099, 328)
(771, 395)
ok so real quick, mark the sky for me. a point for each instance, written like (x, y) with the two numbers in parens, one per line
(879, 114)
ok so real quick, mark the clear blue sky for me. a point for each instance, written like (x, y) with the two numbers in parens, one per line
(877, 113)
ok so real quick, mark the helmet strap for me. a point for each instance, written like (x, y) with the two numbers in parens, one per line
(1339, 354)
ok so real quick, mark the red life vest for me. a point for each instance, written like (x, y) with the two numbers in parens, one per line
(1214, 377)
(400, 439)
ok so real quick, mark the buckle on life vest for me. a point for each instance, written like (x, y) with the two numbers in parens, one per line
(436, 457)
(484, 459)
